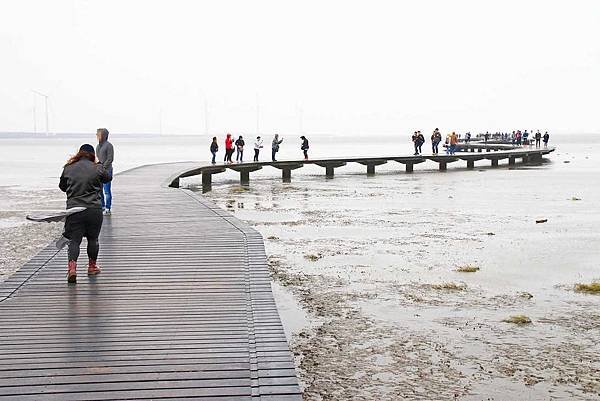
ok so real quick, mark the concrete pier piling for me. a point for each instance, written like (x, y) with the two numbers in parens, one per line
(286, 169)
(409, 162)
(371, 163)
(245, 171)
(330, 166)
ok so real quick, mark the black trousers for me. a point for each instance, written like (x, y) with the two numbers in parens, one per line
(256, 152)
(84, 224)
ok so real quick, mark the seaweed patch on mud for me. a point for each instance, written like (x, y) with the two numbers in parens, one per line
(467, 269)
(517, 319)
(591, 288)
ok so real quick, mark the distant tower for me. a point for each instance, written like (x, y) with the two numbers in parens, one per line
(205, 116)
(257, 115)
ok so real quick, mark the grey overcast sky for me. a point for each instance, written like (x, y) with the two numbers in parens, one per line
(344, 66)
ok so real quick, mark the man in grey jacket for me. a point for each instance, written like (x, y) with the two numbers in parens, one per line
(105, 154)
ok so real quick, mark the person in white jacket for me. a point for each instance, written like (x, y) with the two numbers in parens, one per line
(258, 144)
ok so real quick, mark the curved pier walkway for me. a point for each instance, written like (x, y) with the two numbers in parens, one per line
(470, 153)
(182, 310)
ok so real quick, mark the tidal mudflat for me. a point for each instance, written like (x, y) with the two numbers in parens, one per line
(436, 286)
(20, 239)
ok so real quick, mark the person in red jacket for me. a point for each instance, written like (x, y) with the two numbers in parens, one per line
(228, 148)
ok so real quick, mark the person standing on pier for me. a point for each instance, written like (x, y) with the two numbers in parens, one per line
(258, 145)
(304, 147)
(106, 154)
(453, 143)
(436, 138)
(239, 145)
(228, 148)
(214, 148)
(546, 139)
(275, 146)
(415, 138)
(82, 180)
(420, 141)
(538, 139)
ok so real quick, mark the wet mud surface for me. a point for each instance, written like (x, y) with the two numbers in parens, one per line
(20, 239)
(373, 264)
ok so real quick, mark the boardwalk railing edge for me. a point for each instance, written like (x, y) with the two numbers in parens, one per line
(259, 294)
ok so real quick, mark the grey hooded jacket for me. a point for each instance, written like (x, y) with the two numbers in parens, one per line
(105, 153)
(82, 181)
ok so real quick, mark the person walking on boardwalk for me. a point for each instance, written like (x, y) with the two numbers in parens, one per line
(538, 139)
(304, 147)
(228, 148)
(239, 146)
(106, 154)
(546, 139)
(82, 180)
(258, 145)
(436, 138)
(214, 148)
(275, 146)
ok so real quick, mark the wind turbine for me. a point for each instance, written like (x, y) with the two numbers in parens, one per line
(46, 107)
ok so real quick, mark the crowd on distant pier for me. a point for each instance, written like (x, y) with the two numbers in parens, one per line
(239, 145)
(516, 138)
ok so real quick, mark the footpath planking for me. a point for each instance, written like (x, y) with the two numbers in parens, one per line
(182, 310)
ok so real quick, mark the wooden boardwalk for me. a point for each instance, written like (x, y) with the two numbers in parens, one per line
(182, 310)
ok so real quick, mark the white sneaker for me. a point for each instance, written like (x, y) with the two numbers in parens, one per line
(108, 212)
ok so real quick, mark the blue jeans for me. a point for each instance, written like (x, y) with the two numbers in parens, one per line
(213, 158)
(106, 193)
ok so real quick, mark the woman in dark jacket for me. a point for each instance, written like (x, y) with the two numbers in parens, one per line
(304, 147)
(82, 180)
(214, 148)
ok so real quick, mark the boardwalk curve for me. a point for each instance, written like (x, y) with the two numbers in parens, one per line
(183, 309)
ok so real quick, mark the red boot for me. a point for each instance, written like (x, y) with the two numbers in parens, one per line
(93, 268)
(72, 272)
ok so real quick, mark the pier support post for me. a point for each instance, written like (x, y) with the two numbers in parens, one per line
(245, 177)
(245, 170)
(479, 150)
(206, 182)
(330, 166)
(443, 166)
(511, 160)
(409, 167)
(286, 169)
(470, 163)
(494, 162)
(525, 158)
(286, 175)
(371, 164)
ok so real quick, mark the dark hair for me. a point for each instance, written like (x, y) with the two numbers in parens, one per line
(214, 138)
(82, 154)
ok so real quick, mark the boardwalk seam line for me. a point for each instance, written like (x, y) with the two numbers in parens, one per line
(24, 281)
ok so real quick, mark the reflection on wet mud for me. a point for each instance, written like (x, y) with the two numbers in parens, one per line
(409, 285)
